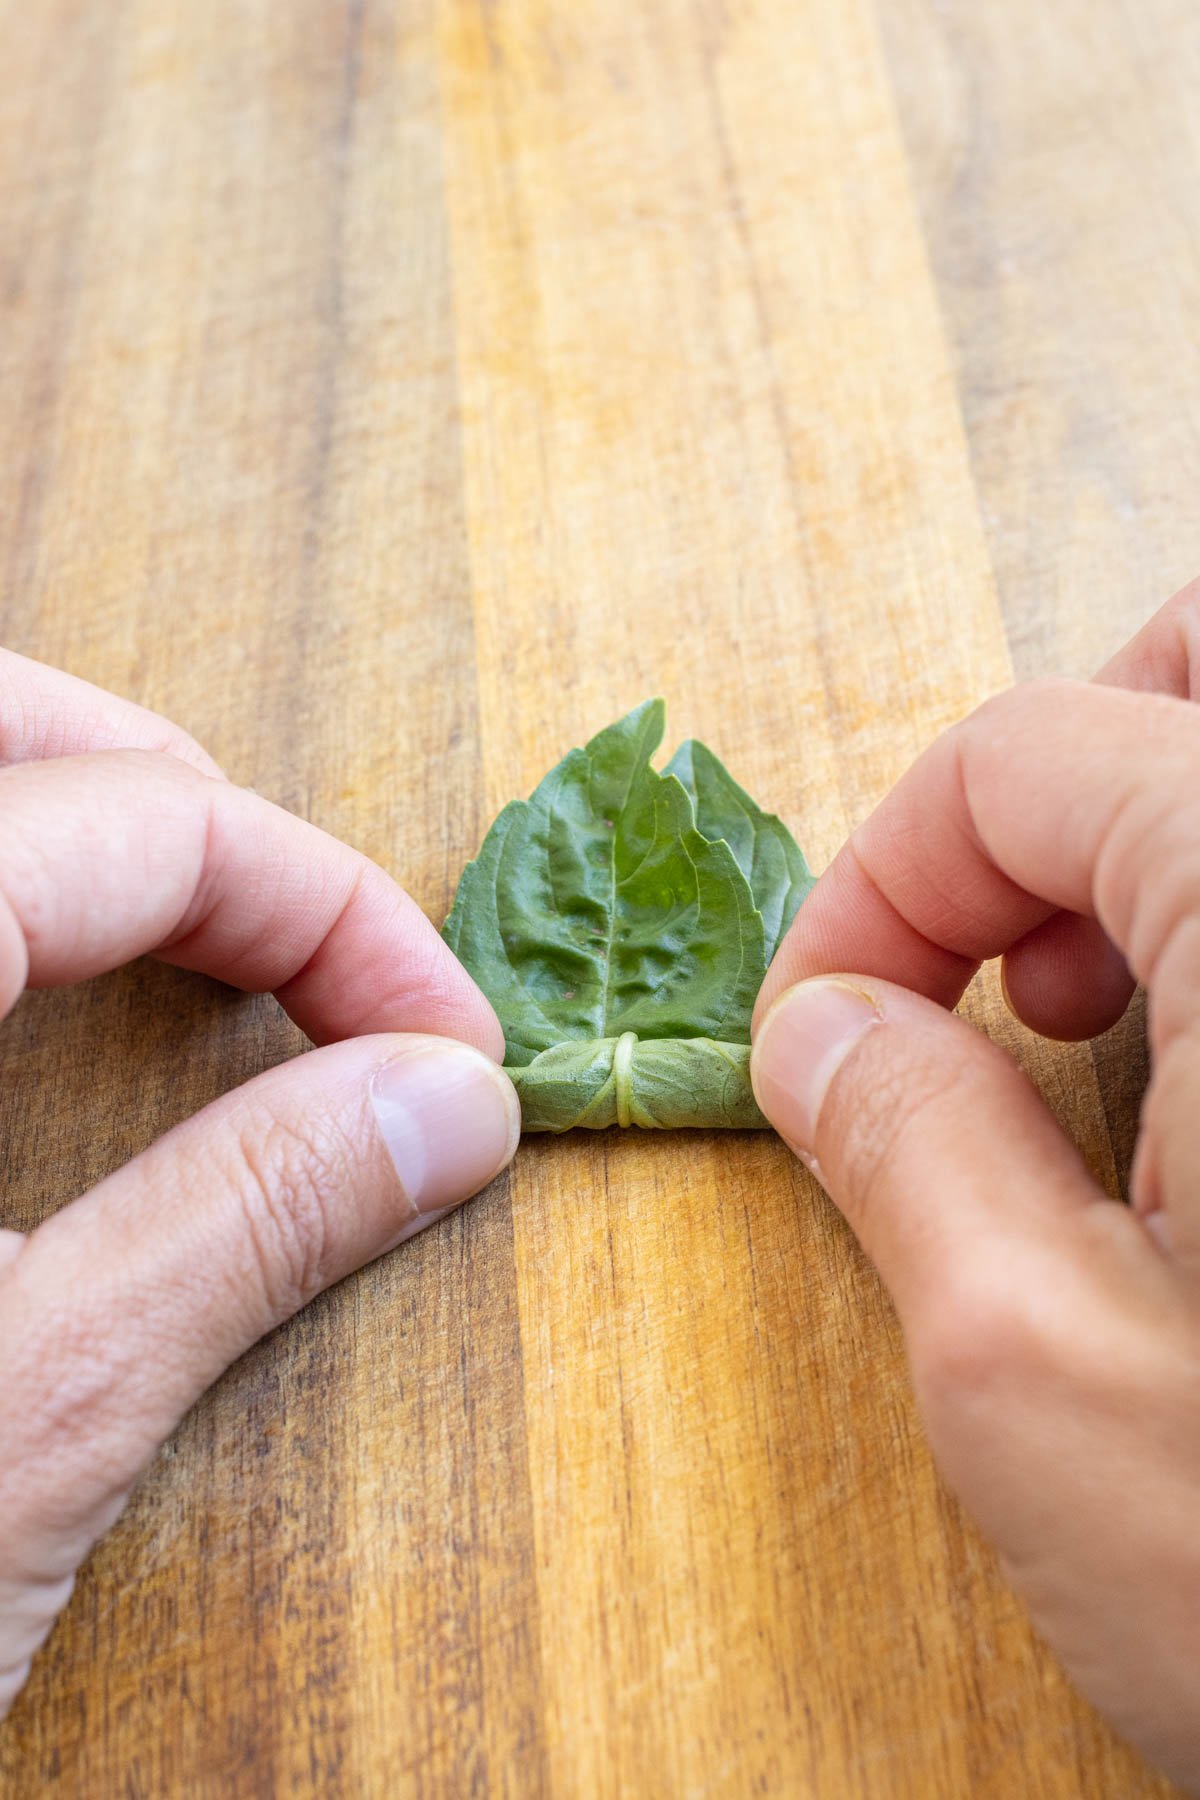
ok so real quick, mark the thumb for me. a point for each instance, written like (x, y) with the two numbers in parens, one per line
(1051, 1342)
(928, 1137)
(121, 1309)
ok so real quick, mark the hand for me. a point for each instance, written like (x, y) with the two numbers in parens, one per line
(119, 836)
(1053, 1334)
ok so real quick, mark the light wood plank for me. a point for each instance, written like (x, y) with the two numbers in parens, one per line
(1055, 157)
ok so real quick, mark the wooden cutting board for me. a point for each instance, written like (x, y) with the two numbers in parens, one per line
(394, 394)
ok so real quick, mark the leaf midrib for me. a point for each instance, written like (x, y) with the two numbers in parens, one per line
(612, 901)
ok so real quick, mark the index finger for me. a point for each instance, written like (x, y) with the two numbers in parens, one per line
(1164, 656)
(1055, 795)
(126, 853)
(45, 713)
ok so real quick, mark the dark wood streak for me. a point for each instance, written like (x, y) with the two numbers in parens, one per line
(1062, 217)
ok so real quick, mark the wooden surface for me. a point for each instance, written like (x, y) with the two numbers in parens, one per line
(392, 394)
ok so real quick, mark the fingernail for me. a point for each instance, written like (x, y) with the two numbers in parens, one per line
(450, 1120)
(801, 1044)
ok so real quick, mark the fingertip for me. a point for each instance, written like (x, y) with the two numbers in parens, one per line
(172, 741)
(1164, 656)
(384, 967)
(1066, 979)
(848, 921)
(487, 1033)
(456, 1007)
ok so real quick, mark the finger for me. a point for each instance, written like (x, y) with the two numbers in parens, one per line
(852, 920)
(46, 713)
(1066, 978)
(1062, 975)
(121, 1309)
(1163, 1184)
(108, 857)
(915, 895)
(1164, 656)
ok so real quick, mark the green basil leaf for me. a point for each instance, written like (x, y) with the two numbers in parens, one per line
(614, 920)
(596, 907)
(767, 853)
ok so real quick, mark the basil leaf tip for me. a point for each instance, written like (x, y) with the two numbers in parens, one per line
(621, 921)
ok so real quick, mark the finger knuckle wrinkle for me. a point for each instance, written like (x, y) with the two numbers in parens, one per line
(289, 1175)
(75, 1410)
(83, 1387)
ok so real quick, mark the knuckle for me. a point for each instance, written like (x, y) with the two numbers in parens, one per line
(1182, 617)
(71, 1391)
(286, 1180)
(1147, 882)
(81, 1390)
(985, 739)
(1040, 693)
(177, 743)
(982, 1335)
(1031, 1324)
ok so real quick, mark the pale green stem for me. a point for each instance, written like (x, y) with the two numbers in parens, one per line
(622, 1066)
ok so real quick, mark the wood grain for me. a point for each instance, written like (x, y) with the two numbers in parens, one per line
(392, 395)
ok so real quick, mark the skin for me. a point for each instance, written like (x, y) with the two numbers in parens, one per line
(120, 837)
(1053, 1335)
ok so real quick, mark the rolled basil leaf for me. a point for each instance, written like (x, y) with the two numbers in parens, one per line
(621, 921)
(658, 1083)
